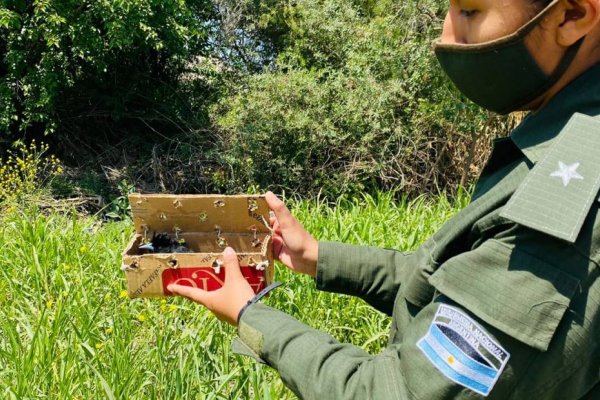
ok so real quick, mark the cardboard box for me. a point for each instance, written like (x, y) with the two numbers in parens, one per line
(207, 224)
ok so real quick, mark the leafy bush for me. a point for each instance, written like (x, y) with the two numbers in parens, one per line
(356, 102)
(334, 96)
(74, 65)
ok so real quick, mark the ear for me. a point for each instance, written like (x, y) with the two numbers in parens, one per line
(577, 19)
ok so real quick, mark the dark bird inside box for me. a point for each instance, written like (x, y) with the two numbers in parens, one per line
(163, 243)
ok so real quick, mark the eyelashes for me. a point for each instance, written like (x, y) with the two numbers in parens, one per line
(468, 13)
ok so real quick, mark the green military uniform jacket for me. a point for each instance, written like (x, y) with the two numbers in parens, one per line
(501, 303)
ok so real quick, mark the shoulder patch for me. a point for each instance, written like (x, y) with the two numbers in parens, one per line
(559, 191)
(462, 351)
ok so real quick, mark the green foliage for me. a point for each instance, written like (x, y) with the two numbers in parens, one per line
(119, 208)
(329, 96)
(356, 102)
(67, 60)
(67, 330)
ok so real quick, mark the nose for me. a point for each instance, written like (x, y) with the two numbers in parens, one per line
(450, 31)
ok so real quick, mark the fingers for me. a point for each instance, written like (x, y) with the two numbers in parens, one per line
(232, 264)
(284, 217)
(198, 295)
(275, 226)
(277, 245)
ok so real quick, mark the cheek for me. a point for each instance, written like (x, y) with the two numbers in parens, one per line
(488, 25)
(499, 24)
(477, 29)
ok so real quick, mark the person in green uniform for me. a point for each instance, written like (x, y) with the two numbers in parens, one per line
(503, 301)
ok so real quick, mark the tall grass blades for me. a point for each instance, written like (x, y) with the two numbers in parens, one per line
(68, 331)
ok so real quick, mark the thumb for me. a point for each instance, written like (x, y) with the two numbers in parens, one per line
(284, 216)
(195, 294)
(232, 265)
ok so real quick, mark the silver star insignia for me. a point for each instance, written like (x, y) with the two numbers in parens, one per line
(566, 172)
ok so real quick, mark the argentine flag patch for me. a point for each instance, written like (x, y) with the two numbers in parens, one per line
(461, 350)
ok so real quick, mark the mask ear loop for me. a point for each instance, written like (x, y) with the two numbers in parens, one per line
(558, 72)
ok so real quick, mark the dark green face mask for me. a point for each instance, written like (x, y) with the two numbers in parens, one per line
(501, 75)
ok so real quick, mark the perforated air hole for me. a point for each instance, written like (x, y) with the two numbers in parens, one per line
(221, 242)
(252, 205)
(219, 203)
(217, 264)
(203, 216)
(162, 216)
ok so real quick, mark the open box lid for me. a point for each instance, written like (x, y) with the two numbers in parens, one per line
(198, 213)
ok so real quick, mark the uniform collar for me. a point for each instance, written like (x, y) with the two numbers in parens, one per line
(538, 130)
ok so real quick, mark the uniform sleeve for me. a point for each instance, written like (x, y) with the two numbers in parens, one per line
(506, 324)
(315, 366)
(371, 273)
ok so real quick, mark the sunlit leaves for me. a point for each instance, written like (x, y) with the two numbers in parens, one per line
(53, 46)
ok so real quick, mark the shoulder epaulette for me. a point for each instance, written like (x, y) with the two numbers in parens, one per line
(556, 196)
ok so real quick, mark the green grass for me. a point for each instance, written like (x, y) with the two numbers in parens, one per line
(66, 331)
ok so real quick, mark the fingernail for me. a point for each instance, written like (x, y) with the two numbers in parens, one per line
(229, 251)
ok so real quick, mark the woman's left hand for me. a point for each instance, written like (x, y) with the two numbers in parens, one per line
(227, 302)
